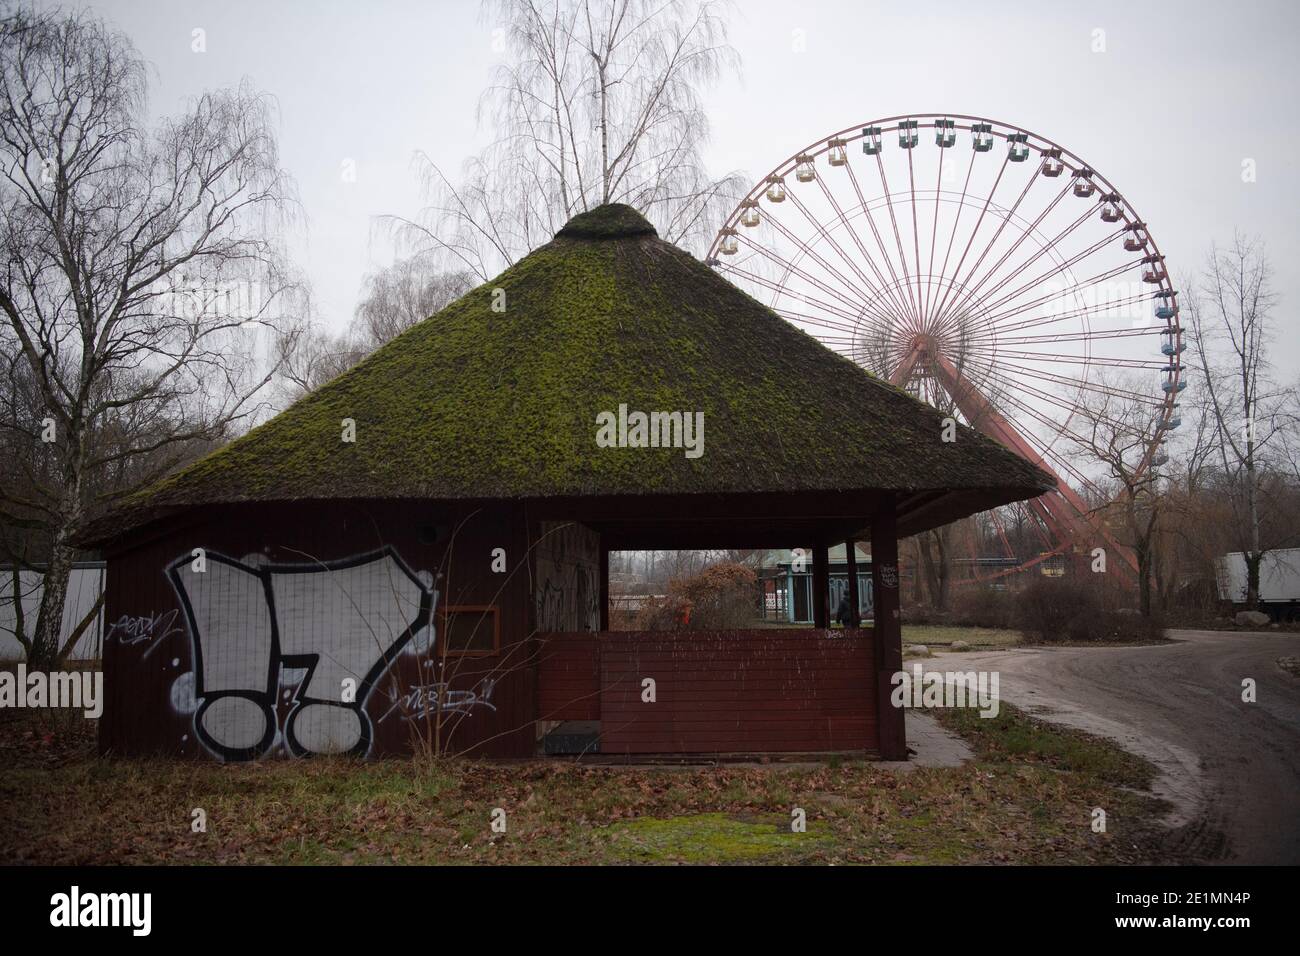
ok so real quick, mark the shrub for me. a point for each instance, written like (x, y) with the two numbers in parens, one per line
(1081, 610)
(719, 597)
(969, 605)
(978, 606)
(660, 614)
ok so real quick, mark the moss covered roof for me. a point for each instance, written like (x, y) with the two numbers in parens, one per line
(477, 403)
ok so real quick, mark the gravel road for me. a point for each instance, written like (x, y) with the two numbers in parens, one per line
(1231, 769)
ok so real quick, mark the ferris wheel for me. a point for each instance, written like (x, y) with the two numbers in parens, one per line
(985, 269)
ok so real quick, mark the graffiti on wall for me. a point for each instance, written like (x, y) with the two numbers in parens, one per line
(421, 700)
(568, 582)
(322, 634)
(148, 629)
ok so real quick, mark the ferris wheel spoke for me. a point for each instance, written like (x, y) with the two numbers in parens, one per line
(884, 286)
(857, 298)
(871, 222)
(968, 289)
(1061, 266)
(856, 302)
(1047, 450)
(971, 239)
(1085, 312)
(916, 230)
(995, 318)
(998, 349)
(807, 299)
(934, 230)
(961, 207)
(1087, 386)
(898, 239)
(1062, 358)
(801, 318)
(1025, 233)
(1002, 401)
(1067, 406)
(825, 233)
(1051, 338)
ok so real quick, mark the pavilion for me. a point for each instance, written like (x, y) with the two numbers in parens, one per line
(416, 554)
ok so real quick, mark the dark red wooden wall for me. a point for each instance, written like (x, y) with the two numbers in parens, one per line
(149, 645)
(755, 691)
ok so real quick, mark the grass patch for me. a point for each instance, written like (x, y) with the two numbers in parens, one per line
(1013, 737)
(944, 634)
(714, 838)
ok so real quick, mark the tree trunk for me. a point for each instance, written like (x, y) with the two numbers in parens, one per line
(20, 618)
(44, 651)
(1253, 560)
(935, 563)
(1144, 579)
(1252, 502)
(49, 621)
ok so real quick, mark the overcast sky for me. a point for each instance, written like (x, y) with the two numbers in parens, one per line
(1182, 94)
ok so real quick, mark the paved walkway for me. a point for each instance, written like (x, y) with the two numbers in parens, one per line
(930, 745)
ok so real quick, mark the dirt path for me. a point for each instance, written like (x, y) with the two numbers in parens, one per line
(1231, 769)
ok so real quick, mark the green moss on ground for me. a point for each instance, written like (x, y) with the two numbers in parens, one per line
(712, 838)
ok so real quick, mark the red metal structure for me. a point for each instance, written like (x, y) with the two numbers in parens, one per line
(1010, 286)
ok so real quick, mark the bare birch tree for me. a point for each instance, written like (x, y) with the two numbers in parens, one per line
(398, 296)
(598, 101)
(1229, 311)
(139, 269)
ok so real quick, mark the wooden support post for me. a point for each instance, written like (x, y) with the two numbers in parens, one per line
(888, 631)
(821, 586)
(604, 587)
(855, 613)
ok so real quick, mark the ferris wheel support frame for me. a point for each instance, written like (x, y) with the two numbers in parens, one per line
(1066, 514)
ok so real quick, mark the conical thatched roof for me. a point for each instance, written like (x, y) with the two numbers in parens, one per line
(477, 403)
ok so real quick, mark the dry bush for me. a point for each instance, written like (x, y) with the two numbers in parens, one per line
(1082, 609)
(968, 606)
(720, 597)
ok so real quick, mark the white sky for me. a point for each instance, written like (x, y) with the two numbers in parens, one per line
(1182, 94)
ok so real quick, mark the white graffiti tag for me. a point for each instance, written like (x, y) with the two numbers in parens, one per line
(340, 624)
(420, 700)
(151, 629)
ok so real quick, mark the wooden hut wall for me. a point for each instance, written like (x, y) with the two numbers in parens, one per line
(250, 657)
(767, 690)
